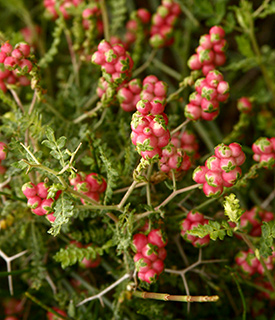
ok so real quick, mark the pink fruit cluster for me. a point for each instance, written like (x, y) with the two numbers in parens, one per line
(204, 102)
(150, 134)
(264, 151)
(129, 95)
(251, 220)
(87, 263)
(187, 141)
(38, 200)
(50, 6)
(210, 53)
(150, 254)
(141, 16)
(220, 170)
(192, 220)
(14, 64)
(92, 185)
(163, 22)
(250, 265)
(116, 63)
(173, 158)
(93, 12)
(244, 105)
(52, 316)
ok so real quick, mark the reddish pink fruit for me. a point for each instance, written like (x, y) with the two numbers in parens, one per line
(150, 276)
(149, 252)
(217, 33)
(211, 191)
(42, 190)
(3, 151)
(157, 238)
(139, 241)
(199, 174)
(29, 189)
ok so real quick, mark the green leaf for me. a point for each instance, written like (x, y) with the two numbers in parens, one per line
(244, 46)
(232, 208)
(63, 211)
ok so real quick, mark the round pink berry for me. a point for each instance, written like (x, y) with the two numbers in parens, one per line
(157, 238)
(139, 241)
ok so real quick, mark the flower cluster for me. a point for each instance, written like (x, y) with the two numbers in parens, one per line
(92, 13)
(129, 95)
(116, 64)
(264, 151)
(251, 220)
(14, 64)
(163, 22)
(173, 158)
(192, 220)
(38, 200)
(250, 265)
(92, 185)
(204, 102)
(244, 105)
(150, 254)
(50, 6)
(141, 16)
(150, 134)
(210, 53)
(220, 170)
(187, 141)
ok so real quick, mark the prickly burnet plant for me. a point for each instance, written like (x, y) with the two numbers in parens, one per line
(193, 219)
(220, 170)
(62, 115)
(210, 54)
(204, 102)
(264, 151)
(150, 253)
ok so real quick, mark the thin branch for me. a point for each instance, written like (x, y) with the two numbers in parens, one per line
(99, 295)
(168, 297)
(180, 126)
(105, 20)
(127, 194)
(8, 262)
(146, 63)
(88, 114)
(17, 100)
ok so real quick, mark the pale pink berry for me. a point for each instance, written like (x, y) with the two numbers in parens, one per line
(24, 48)
(29, 190)
(10, 62)
(206, 56)
(219, 59)
(209, 116)
(34, 202)
(158, 266)
(93, 195)
(205, 41)
(213, 78)
(3, 56)
(216, 33)
(47, 205)
(42, 190)
(228, 164)
(211, 191)
(214, 178)
(195, 216)
(223, 151)
(223, 87)
(150, 276)
(199, 174)
(231, 177)
(6, 48)
(209, 106)
(192, 112)
(194, 62)
(157, 238)
(139, 241)
(149, 252)
(3, 151)
(142, 264)
(213, 163)
(51, 217)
